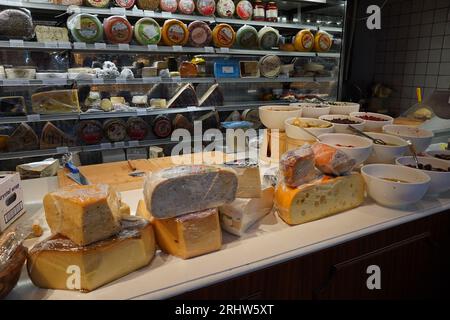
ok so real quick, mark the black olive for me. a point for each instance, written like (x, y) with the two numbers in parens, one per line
(420, 166)
(428, 167)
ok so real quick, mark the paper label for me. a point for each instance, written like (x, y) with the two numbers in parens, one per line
(79, 45)
(100, 45)
(33, 117)
(228, 69)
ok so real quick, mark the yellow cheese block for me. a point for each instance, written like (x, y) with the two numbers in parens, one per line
(223, 36)
(58, 263)
(322, 41)
(174, 32)
(55, 101)
(304, 40)
(319, 199)
(186, 236)
(84, 214)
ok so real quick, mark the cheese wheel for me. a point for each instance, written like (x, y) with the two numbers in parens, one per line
(322, 41)
(225, 8)
(304, 40)
(186, 6)
(147, 31)
(147, 4)
(223, 35)
(97, 3)
(247, 37)
(206, 7)
(200, 35)
(85, 27)
(168, 5)
(270, 66)
(174, 32)
(117, 29)
(90, 131)
(16, 24)
(115, 129)
(137, 128)
(188, 70)
(127, 4)
(244, 10)
(268, 38)
(162, 127)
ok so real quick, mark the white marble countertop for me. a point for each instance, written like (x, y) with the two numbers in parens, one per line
(269, 242)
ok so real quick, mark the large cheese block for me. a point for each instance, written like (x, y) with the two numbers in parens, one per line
(59, 263)
(53, 137)
(319, 199)
(249, 178)
(187, 236)
(183, 189)
(22, 138)
(55, 101)
(297, 166)
(84, 214)
(49, 33)
(238, 216)
(185, 96)
(213, 97)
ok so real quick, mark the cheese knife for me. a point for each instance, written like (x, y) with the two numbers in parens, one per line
(75, 174)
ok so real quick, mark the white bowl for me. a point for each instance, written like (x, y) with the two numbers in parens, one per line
(273, 117)
(371, 125)
(440, 181)
(297, 133)
(313, 110)
(434, 153)
(420, 138)
(386, 153)
(343, 128)
(392, 193)
(361, 150)
(342, 107)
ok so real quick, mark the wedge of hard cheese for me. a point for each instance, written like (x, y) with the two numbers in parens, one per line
(238, 216)
(183, 189)
(319, 199)
(84, 214)
(187, 236)
(58, 263)
(249, 178)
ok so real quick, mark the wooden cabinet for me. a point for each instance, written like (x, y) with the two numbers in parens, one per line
(413, 258)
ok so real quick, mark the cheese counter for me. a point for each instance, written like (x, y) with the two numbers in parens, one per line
(270, 242)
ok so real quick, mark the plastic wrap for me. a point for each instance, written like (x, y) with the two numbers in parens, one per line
(332, 161)
(297, 167)
(57, 101)
(11, 240)
(45, 168)
(188, 188)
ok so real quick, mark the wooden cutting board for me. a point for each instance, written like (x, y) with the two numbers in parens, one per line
(116, 174)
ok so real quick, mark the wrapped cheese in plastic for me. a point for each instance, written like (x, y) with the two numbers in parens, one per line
(187, 188)
(297, 166)
(332, 161)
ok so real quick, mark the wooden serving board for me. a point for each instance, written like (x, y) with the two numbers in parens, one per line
(116, 174)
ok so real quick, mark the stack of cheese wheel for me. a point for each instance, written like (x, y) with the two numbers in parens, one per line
(174, 32)
(147, 31)
(223, 35)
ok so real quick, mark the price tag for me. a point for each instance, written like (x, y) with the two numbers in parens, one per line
(61, 150)
(98, 81)
(151, 80)
(149, 13)
(52, 82)
(166, 14)
(100, 45)
(33, 117)
(16, 82)
(225, 50)
(16, 43)
(120, 80)
(176, 79)
(133, 143)
(118, 11)
(124, 46)
(209, 49)
(79, 45)
(141, 112)
(64, 45)
(73, 9)
(51, 44)
(177, 48)
(105, 146)
(152, 47)
(192, 108)
(119, 144)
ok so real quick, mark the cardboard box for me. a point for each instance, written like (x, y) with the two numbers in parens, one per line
(11, 199)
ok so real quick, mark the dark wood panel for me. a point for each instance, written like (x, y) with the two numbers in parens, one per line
(414, 260)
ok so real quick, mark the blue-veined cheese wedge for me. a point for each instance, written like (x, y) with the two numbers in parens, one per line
(147, 31)
(85, 27)
(268, 38)
(247, 37)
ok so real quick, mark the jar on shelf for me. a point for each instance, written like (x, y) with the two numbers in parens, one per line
(272, 12)
(259, 10)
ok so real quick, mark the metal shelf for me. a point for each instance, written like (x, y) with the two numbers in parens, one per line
(37, 153)
(104, 47)
(39, 118)
(265, 80)
(286, 25)
(33, 45)
(34, 82)
(249, 105)
(153, 80)
(264, 52)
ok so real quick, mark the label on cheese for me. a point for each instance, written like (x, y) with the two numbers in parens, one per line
(206, 7)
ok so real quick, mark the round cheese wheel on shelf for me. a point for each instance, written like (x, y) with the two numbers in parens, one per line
(174, 32)
(268, 38)
(161, 126)
(225, 8)
(147, 31)
(168, 5)
(322, 41)
(85, 27)
(127, 4)
(244, 10)
(270, 66)
(200, 35)
(16, 24)
(147, 4)
(90, 131)
(97, 3)
(223, 35)
(186, 6)
(304, 40)
(115, 129)
(137, 128)
(206, 7)
(247, 37)
(188, 70)
(118, 29)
